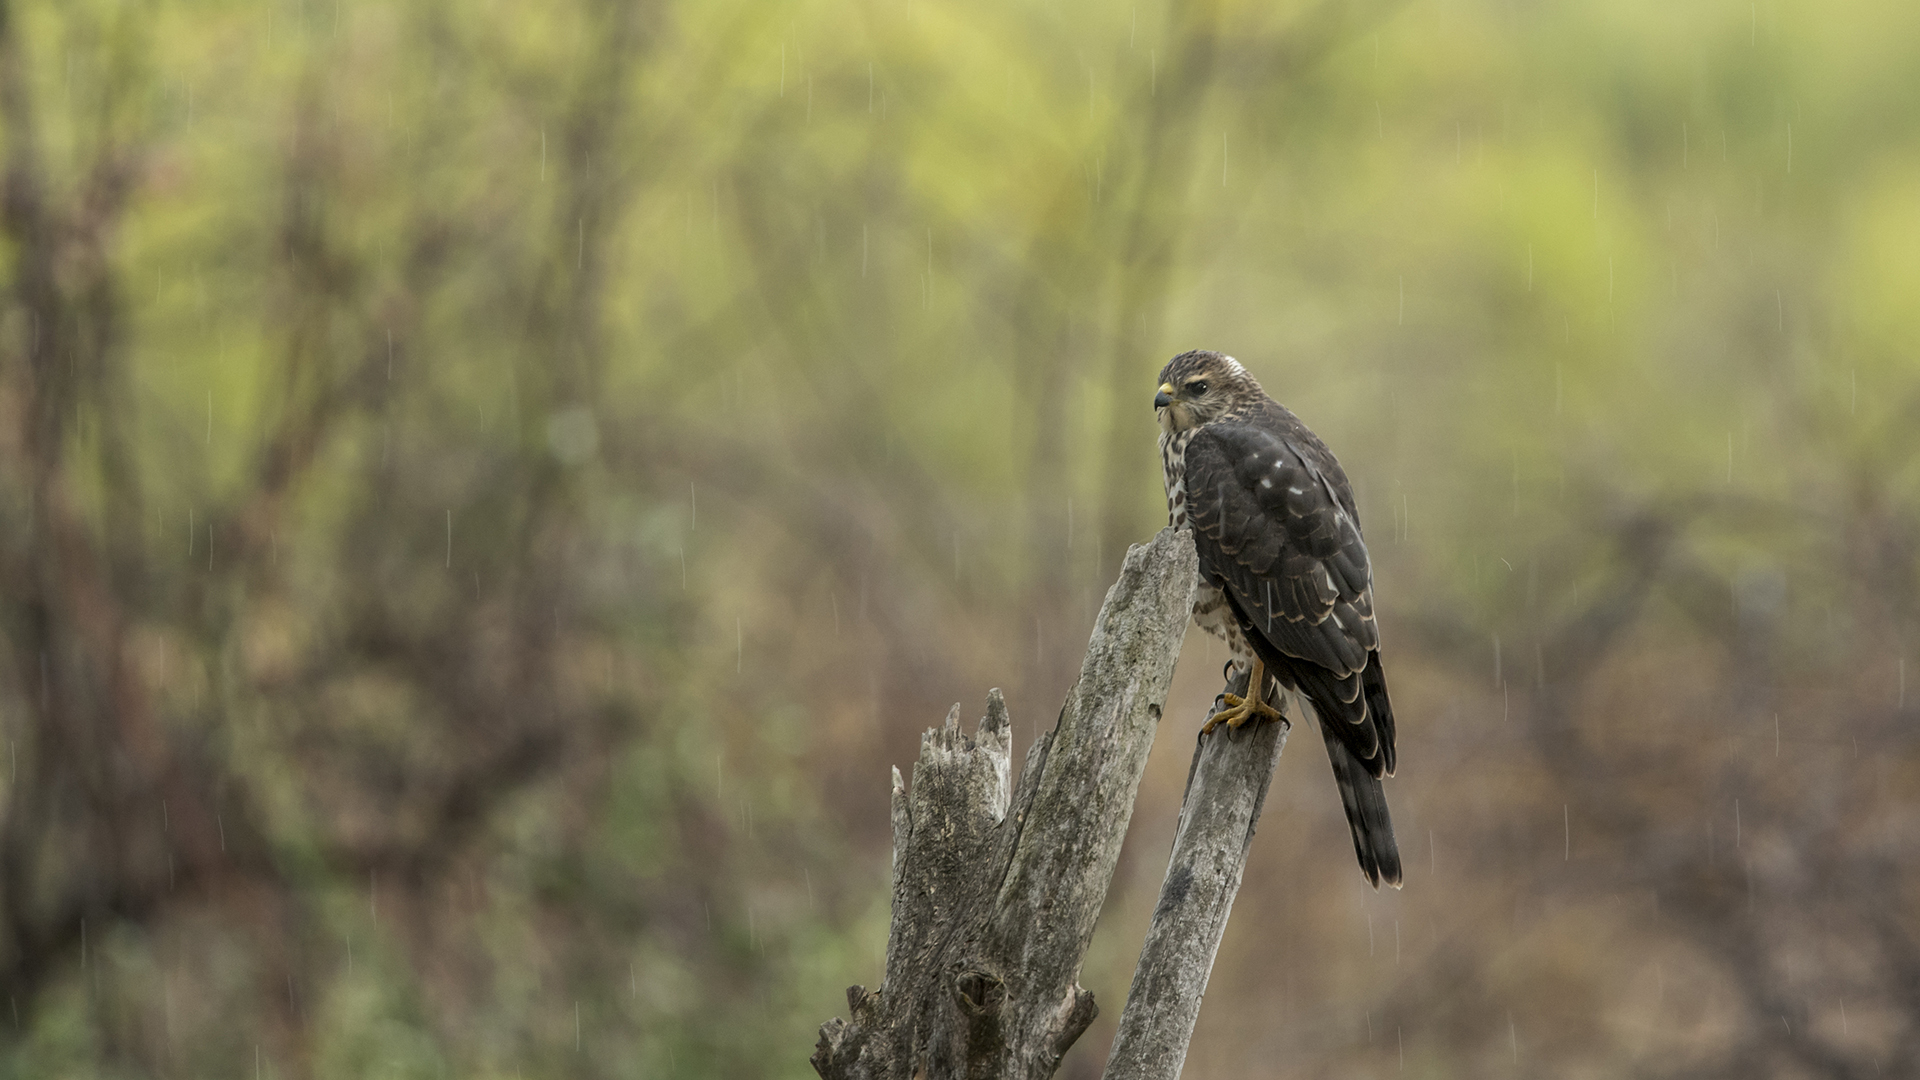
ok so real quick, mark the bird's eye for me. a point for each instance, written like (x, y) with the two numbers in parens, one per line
(1197, 387)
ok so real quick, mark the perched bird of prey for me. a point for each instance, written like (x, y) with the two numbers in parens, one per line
(1284, 576)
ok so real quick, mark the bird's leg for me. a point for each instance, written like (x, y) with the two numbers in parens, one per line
(1239, 710)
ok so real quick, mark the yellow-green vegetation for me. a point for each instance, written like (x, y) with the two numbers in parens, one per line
(487, 489)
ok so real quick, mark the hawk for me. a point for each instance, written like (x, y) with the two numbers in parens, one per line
(1284, 576)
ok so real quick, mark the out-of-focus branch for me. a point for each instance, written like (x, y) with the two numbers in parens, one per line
(119, 809)
(93, 734)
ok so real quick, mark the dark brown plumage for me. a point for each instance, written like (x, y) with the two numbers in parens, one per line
(1284, 575)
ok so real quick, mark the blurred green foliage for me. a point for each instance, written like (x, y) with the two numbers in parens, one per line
(521, 473)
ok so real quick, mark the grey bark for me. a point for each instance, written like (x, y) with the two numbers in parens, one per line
(995, 894)
(1226, 786)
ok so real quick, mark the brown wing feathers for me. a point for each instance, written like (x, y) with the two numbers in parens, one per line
(1275, 533)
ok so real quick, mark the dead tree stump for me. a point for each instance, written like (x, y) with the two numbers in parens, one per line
(995, 893)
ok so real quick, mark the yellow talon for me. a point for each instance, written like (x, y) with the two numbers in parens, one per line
(1240, 710)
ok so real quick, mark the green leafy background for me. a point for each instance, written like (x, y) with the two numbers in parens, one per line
(545, 462)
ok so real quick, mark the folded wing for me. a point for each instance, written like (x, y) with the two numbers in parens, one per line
(1275, 526)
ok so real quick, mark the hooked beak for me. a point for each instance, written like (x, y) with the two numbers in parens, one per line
(1165, 397)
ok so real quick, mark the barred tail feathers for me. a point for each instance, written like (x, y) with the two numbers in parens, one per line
(1365, 801)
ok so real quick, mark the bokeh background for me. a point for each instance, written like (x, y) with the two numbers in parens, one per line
(488, 489)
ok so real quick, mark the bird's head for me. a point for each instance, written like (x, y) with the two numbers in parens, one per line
(1200, 387)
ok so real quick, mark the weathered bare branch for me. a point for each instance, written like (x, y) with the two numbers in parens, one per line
(1226, 786)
